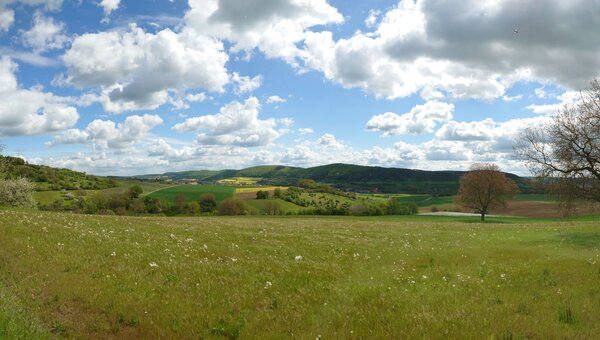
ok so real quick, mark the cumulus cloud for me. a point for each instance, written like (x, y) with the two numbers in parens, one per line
(567, 98)
(272, 26)
(108, 6)
(305, 131)
(246, 84)
(275, 99)
(105, 134)
(136, 70)
(329, 141)
(235, 124)
(7, 15)
(420, 119)
(7, 18)
(464, 50)
(45, 34)
(487, 136)
(371, 20)
(30, 111)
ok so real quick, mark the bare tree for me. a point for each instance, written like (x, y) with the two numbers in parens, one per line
(485, 187)
(565, 153)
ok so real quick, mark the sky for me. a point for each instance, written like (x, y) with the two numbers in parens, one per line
(125, 87)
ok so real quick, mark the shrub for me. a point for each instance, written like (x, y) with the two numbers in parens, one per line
(208, 203)
(434, 209)
(17, 192)
(232, 206)
(271, 208)
(262, 195)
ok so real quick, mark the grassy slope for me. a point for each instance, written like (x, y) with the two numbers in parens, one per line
(193, 192)
(283, 205)
(411, 277)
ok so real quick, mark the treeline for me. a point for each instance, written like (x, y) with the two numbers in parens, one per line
(48, 178)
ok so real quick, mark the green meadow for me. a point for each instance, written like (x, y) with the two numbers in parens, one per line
(86, 276)
(194, 192)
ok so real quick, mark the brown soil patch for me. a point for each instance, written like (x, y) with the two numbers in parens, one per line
(252, 195)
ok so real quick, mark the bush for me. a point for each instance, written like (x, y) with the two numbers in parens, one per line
(434, 209)
(208, 203)
(262, 195)
(271, 208)
(17, 192)
(232, 206)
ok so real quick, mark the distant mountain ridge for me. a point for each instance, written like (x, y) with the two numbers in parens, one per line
(348, 177)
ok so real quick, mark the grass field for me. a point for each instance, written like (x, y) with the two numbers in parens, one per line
(193, 192)
(255, 189)
(86, 276)
(286, 207)
(239, 181)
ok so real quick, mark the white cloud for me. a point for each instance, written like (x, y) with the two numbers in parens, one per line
(105, 134)
(463, 50)
(109, 6)
(196, 98)
(567, 98)
(246, 84)
(275, 99)
(466, 131)
(329, 141)
(305, 131)
(7, 18)
(272, 26)
(45, 34)
(371, 20)
(30, 111)
(7, 15)
(487, 136)
(136, 69)
(235, 124)
(420, 119)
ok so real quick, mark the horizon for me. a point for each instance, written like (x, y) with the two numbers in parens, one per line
(123, 88)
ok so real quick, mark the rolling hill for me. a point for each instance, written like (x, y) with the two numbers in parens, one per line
(347, 177)
(49, 178)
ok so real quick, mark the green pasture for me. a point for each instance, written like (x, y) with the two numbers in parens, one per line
(86, 276)
(193, 192)
(286, 207)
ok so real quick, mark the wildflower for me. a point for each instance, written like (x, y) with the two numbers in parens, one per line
(503, 276)
(268, 284)
(298, 258)
(113, 254)
(153, 264)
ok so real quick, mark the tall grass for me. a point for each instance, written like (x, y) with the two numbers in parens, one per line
(151, 277)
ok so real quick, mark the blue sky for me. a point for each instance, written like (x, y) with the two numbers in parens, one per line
(133, 87)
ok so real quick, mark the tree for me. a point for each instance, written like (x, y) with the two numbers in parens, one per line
(135, 191)
(262, 195)
(565, 152)
(17, 192)
(232, 206)
(208, 203)
(485, 187)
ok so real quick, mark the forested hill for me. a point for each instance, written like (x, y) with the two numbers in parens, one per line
(48, 178)
(347, 177)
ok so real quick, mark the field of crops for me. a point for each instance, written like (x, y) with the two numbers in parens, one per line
(85, 276)
(193, 192)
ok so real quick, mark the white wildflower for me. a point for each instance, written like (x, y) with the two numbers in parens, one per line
(298, 258)
(153, 264)
(268, 285)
